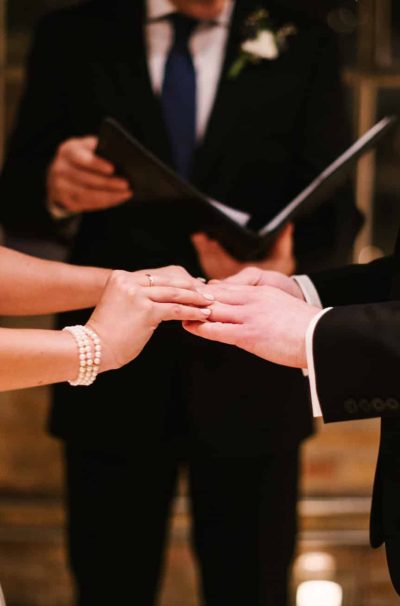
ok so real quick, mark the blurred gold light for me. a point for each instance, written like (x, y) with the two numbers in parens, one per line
(316, 565)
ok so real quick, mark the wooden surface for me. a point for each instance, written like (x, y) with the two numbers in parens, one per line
(33, 570)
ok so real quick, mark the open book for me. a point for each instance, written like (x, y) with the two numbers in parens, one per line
(155, 183)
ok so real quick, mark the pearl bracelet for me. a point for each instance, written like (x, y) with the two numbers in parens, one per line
(89, 350)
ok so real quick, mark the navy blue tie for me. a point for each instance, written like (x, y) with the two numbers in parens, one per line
(178, 98)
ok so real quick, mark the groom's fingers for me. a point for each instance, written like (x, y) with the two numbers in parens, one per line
(169, 294)
(214, 331)
(250, 276)
(231, 294)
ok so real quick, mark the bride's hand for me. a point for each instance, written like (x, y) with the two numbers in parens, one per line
(132, 306)
(172, 275)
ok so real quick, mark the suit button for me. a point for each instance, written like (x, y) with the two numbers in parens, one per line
(378, 404)
(351, 406)
(392, 404)
(365, 405)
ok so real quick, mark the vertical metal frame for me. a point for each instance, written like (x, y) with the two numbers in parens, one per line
(3, 66)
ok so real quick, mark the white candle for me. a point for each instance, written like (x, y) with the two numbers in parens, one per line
(316, 593)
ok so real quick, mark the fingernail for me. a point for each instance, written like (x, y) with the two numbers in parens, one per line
(204, 280)
(206, 312)
(206, 295)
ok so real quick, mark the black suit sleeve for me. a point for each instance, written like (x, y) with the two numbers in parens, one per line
(325, 237)
(356, 284)
(42, 125)
(357, 361)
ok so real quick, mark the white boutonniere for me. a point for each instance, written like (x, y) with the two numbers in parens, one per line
(263, 41)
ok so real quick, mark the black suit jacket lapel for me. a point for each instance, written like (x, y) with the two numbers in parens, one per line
(226, 104)
(140, 106)
(228, 97)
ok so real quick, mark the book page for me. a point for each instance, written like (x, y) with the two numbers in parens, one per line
(240, 217)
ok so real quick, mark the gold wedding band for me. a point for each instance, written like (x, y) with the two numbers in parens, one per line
(150, 279)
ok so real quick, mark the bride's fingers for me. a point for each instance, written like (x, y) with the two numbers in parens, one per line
(231, 314)
(168, 294)
(153, 280)
(161, 277)
(174, 311)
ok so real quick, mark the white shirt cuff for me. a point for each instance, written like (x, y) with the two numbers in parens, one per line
(309, 291)
(311, 297)
(316, 406)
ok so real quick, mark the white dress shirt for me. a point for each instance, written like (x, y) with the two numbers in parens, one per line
(207, 46)
(311, 295)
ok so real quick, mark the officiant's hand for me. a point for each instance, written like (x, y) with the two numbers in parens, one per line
(78, 180)
(218, 264)
(128, 313)
(262, 320)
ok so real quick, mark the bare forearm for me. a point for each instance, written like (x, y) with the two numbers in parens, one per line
(30, 286)
(29, 358)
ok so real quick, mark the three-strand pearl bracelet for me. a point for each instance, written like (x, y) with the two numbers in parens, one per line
(89, 351)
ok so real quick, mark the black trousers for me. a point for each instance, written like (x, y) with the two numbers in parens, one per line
(244, 525)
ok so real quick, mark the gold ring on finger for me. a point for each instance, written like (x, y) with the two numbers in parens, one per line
(150, 279)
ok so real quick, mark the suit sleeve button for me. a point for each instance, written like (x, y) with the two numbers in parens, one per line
(365, 405)
(351, 406)
(392, 404)
(378, 404)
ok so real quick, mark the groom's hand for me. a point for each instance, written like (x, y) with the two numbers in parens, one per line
(217, 263)
(254, 276)
(262, 320)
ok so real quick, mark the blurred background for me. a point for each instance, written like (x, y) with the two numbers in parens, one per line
(339, 461)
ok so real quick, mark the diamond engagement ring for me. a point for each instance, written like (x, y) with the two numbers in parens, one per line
(150, 279)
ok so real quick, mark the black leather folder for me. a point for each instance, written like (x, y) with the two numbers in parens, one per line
(172, 199)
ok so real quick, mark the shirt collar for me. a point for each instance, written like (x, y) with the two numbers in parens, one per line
(157, 9)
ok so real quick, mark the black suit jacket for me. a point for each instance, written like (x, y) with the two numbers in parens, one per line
(357, 360)
(271, 130)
